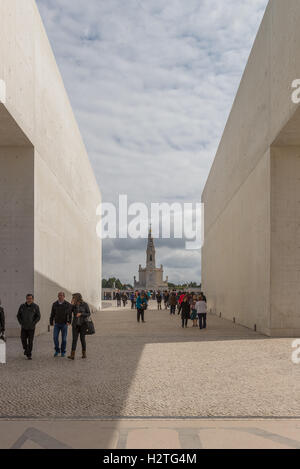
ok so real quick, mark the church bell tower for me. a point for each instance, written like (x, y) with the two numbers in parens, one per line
(150, 252)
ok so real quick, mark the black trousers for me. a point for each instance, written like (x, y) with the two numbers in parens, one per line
(172, 309)
(27, 337)
(78, 331)
(158, 305)
(132, 304)
(184, 321)
(202, 320)
(140, 314)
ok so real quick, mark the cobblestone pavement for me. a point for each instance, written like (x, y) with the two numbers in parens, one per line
(154, 369)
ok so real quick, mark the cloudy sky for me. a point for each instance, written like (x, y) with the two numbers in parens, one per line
(152, 83)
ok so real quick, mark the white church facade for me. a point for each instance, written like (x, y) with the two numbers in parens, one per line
(151, 277)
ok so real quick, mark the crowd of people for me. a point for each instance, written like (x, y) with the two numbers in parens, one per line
(189, 305)
(63, 315)
(77, 313)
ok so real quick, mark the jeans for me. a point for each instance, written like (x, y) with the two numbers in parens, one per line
(78, 331)
(27, 337)
(202, 320)
(63, 328)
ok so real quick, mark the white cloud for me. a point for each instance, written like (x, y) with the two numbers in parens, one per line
(152, 83)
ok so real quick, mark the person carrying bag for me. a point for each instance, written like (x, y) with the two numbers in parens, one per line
(81, 314)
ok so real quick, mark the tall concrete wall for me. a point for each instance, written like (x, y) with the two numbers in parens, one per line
(37, 123)
(250, 256)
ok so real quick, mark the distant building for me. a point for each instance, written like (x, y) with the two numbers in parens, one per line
(151, 277)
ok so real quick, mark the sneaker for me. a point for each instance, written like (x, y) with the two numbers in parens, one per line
(56, 354)
(29, 357)
(63, 355)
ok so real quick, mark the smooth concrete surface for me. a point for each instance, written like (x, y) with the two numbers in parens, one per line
(250, 258)
(165, 434)
(16, 228)
(56, 234)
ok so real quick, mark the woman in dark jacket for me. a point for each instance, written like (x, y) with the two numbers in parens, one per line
(185, 311)
(80, 313)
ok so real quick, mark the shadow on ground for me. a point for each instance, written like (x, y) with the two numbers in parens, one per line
(156, 369)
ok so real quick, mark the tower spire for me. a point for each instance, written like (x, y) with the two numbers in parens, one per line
(150, 249)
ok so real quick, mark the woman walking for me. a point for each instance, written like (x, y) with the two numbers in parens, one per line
(80, 312)
(185, 311)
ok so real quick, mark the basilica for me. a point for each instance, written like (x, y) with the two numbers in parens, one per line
(151, 277)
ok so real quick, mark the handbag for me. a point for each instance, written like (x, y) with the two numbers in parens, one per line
(89, 328)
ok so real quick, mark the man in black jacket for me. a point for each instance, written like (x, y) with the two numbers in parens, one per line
(28, 316)
(61, 317)
(2, 321)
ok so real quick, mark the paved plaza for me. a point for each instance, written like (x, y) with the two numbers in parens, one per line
(156, 369)
(211, 386)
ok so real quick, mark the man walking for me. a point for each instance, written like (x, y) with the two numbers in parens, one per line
(159, 300)
(124, 299)
(172, 303)
(166, 299)
(61, 319)
(201, 308)
(118, 298)
(28, 316)
(133, 300)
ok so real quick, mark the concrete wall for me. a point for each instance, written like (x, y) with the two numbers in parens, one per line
(285, 247)
(38, 118)
(245, 262)
(16, 226)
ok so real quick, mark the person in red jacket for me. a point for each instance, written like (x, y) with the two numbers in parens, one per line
(181, 298)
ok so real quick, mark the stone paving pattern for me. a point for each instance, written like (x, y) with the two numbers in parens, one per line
(154, 369)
